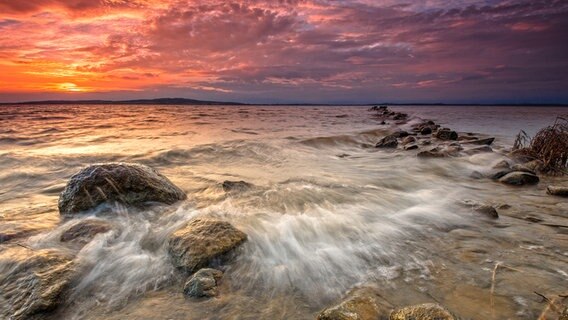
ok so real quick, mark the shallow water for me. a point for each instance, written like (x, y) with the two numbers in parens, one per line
(328, 212)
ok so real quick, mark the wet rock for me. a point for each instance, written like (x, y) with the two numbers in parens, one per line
(476, 175)
(486, 141)
(432, 153)
(361, 305)
(32, 281)
(202, 240)
(400, 134)
(387, 142)
(400, 116)
(411, 147)
(482, 208)
(203, 283)
(503, 164)
(239, 186)
(534, 165)
(522, 168)
(426, 142)
(497, 174)
(557, 191)
(408, 140)
(476, 150)
(84, 231)
(519, 178)
(426, 130)
(131, 184)
(426, 311)
(446, 134)
(564, 314)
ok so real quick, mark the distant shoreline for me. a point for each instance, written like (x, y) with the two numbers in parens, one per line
(183, 101)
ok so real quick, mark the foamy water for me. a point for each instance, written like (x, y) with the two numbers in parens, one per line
(328, 212)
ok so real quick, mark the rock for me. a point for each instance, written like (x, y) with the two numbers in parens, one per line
(426, 130)
(476, 150)
(32, 281)
(203, 283)
(564, 314)
(534, 165)
(426, 311)
(503, 164)
(202, 240)
(400, 116)
(476, 175)
(497, 174)
(239, 186)
(446, 134)
(519, 178)
(426, 142)
(361, 305)
(520, 167)
(557, 191)
(485, 209)
(486, 141)
(387, 142)
(84, 231)
(521, 155)
(432, 153)
(411, 147)
(131, 184)
(408, 140)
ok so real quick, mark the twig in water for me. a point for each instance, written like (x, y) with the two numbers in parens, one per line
(23, 246)
(497, 266)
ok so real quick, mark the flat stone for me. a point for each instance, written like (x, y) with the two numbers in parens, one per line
(202, 240)
(426, 311)
(486, 141)
(360, 305)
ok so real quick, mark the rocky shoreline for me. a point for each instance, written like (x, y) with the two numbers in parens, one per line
(200, 248)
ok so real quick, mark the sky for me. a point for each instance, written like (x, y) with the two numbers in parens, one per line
(286, 51)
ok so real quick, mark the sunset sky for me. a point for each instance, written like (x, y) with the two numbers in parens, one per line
(286, 51)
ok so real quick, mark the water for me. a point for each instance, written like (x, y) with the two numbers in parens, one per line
(329, 212)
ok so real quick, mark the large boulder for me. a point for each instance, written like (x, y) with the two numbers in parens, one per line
(32, 281)
(519, 178)
(84, 231)
(131, 184)
(426, 311)
(203, 283)
(362, 304)
(202, 240)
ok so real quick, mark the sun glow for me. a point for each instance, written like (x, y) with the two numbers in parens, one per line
(70, 87)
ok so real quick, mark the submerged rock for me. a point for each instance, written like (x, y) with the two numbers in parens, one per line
(503, 164)
(411, 147)
(240, 186)
(408, 140)
(131, 184)
(557, 191)
(482, 208)
(486, 141)
(203, 283)
(360, 305)
(84, 231)
(534, 165)
(387, 142)
(432, 153)
(426, 311)
(426, 130)
(520, 167)
(202, 240)
(497, 174)
(519, 178)
(446, 134)
(476, 150)
(32, 281)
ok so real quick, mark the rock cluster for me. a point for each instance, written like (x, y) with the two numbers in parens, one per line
(203, 283)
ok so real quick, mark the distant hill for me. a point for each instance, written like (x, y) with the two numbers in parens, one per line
(163, 101)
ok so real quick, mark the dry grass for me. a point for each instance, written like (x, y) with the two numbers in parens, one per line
(549, 145)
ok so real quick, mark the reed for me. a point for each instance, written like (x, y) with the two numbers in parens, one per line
(549, 145)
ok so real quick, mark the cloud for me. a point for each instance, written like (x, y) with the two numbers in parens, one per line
(273, 50)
